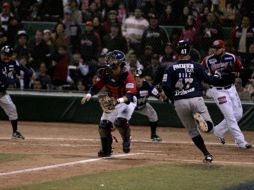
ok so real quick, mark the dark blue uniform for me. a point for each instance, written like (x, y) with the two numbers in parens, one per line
(143, 94)
(183, 80)
(11, 69)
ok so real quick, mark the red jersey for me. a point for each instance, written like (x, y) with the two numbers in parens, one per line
(117, 85)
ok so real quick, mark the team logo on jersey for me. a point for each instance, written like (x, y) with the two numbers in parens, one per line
(212, 61)
(143, 93)
(165, 78)
(129, 85)
(222, 99)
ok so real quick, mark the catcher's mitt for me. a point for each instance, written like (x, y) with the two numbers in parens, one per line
(107, 103)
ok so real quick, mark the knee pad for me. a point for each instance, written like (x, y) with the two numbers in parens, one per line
(122, 126)
(121, 123)
(210, 126)
(105, 128)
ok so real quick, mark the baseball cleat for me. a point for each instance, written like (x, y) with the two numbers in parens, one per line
(208, 158)
(17, 135)
(155, 138)
(222, 140)
(104, 154)
(126, 146)
(201, 122)
(248, 146)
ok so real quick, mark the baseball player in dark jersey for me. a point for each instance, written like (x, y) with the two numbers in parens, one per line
(9, 70)
(120, 84)
(225, 94)
(182, 85)
(144, 90)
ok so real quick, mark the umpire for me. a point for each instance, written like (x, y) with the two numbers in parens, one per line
(182, 84)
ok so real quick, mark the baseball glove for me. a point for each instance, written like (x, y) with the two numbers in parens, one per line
(107, 103)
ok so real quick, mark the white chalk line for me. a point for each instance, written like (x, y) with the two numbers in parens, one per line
(65, 164)
(133, 140)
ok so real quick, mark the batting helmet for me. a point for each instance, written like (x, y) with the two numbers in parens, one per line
(139, 73)
(115, 58)
(7, 50)
(183, 47)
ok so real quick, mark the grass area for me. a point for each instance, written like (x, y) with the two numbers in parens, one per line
(158, 177)
(5, 157)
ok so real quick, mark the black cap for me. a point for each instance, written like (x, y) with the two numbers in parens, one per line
(153, 16)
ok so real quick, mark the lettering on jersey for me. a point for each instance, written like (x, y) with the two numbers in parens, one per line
(143, 93)
(155, 92)
(212, 61)
(165, 78)
(222, 99)
(219, 66)
(187, 67)
(129, 85)
(183, 92)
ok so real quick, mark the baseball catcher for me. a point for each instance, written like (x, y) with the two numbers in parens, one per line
(118, 106)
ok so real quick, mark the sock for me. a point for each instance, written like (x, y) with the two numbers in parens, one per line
(14, 124)
(153, 126)
(199, 142)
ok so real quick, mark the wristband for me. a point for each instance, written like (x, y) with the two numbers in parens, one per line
(88, 95)
(120, 100)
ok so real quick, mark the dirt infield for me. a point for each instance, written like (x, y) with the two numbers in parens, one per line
(61, 150)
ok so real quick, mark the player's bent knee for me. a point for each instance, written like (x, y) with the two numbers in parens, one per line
(105, 128)
(121, 123)
(210, 126)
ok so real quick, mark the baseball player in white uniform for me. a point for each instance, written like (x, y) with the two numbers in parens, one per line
(225, 95)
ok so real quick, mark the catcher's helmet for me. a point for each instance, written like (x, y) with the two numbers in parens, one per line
(183, 47)
(7, 50)
(115, 58)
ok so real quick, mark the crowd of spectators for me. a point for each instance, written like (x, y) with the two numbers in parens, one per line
(67, 56)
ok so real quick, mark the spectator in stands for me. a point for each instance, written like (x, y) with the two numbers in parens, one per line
(91, 12)
(153, 69)
(38, 49)
(154, 36)
(52, 10)
(250, 87)
(43, 76)
(182, 19)
(145, 58)
(114, 39)
(209, 32)
(189, 31)
(47, 38)
(21, 49)
(34, 12)
(111, 19)
(76, 13)
(167, 18)
(72, 29)
(81, 86)
(153, 6)
(228, 15)
(133, 29)
(97, 27)
(121, 13)
(241, 38)
(3, 39)
(169, 56)
(9, 24)
(248, 64)
(242, 92)
(59, 37)
(132, 62)
(37, 86)
(89, 43)
(60, 64)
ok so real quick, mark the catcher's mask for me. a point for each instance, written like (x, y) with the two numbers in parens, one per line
(114, 59)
